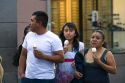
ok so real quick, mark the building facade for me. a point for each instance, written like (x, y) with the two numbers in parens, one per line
(79, 12)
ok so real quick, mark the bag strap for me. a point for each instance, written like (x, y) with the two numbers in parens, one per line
(85, 51)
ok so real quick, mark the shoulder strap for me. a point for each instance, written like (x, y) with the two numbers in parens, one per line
(104, 54)
(78, 54)
(85, 51)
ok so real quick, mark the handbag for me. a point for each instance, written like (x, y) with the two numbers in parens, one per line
(75, 80)
(79, 57)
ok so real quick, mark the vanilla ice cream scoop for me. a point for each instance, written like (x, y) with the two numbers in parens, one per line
(66, 42)
(94, 50)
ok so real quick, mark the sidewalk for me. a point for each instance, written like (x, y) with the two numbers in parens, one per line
(119, 77)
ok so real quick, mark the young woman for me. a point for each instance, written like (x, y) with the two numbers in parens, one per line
(97, 62)
(65, 70)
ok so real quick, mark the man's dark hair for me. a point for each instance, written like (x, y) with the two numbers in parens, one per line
(41, 17)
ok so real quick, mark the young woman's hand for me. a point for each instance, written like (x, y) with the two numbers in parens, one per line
(78, 75)
(96, 59)
(65, 48)
(73, 64)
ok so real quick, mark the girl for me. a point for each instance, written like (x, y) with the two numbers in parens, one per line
(65, 70)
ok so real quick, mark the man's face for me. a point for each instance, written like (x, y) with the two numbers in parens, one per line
(34, 24)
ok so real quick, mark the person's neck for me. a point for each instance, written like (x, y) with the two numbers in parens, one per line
(99, 48)
(41, 31)
(70, 41)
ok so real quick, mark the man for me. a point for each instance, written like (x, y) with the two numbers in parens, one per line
(41, 49)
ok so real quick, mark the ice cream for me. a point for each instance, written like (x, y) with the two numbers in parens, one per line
(66, 42)
(94, 50)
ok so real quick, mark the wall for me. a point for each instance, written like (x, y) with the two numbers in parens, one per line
(119, 77)
(25, 8)
(119, 39)
(8, 37)
(118, 8)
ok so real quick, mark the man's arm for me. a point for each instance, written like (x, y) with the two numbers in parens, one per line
(57, 57)
(22, 63)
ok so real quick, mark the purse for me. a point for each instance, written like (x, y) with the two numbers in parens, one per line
(75, 80)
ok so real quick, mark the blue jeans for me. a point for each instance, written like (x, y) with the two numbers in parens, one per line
(27, 80)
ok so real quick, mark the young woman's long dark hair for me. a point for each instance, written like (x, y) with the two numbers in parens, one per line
(75, 43)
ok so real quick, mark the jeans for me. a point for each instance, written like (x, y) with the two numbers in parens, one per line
(27, 80)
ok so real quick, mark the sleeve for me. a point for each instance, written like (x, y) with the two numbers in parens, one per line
(57, 44)
(79, 62)
(24, 45)
(81, 46)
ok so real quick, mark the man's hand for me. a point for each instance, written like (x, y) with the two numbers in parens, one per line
(56, 57)
(20, 74)
(38, 54)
